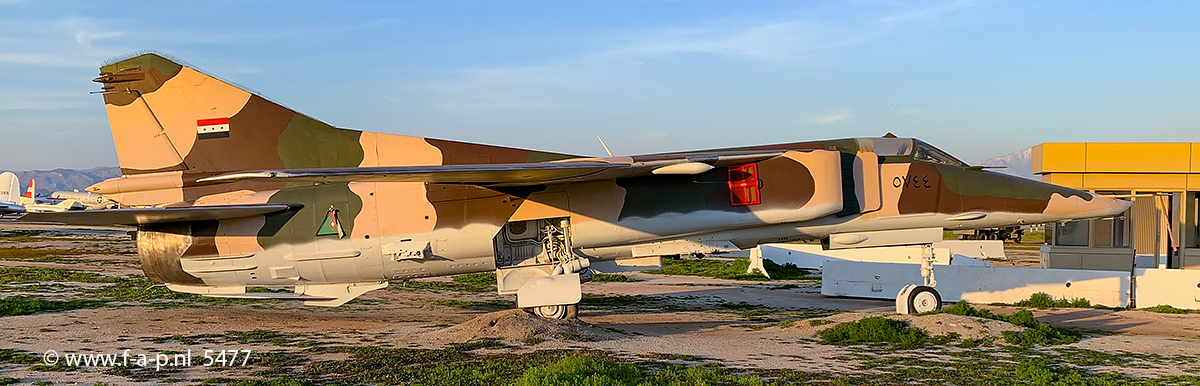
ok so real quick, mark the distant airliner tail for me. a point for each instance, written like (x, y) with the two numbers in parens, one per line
(10, 187)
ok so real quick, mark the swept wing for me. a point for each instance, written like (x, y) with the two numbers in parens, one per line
(140, 216)
(511, 174)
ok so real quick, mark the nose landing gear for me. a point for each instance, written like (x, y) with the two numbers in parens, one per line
(916, 299)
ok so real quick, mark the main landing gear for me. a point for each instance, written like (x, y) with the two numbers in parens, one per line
(560, 312)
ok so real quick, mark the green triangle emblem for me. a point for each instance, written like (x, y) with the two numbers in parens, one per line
(331, 225)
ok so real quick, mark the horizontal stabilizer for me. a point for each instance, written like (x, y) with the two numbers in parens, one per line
(139, 216)
(513, 174)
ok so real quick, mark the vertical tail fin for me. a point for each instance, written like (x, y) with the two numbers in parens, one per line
(30, 193)
(169, 117)
(166, 116)
(10, 187)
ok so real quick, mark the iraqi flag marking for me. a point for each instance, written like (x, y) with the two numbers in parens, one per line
(212, 128)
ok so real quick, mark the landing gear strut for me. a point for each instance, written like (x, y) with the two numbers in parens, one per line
(535, 261)
(916, 299)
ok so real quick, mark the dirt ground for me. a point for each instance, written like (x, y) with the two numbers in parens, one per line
(758, 325)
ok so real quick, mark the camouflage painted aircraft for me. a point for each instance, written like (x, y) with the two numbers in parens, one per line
(229, 189)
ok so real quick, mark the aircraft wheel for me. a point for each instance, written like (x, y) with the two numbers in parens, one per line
(560, 312)
(923, 299)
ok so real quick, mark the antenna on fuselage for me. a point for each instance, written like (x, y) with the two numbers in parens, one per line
(610, 154)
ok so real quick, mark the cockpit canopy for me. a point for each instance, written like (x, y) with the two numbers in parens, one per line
(907, 150)
(929, 154)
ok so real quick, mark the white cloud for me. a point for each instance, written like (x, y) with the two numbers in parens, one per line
(506, 88)
(831, 117)
(85, 38)
(68, 42)
(86, 30)
(44, 59)
(775, 40)
(534, 86)
(46, 100)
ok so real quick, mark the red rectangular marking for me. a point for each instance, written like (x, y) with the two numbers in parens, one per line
(212, 121)
(743, 185)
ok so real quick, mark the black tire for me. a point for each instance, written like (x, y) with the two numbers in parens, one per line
(924, 299)
(558, 312)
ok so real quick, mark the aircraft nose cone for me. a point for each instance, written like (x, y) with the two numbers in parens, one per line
(1078, 207)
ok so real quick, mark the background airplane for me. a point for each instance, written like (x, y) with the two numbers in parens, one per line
(230, 190)
(29, 201)
(9, 196)
(87, 200)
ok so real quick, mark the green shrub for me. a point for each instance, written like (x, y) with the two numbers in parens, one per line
(612, 278)
(28, 305)
(584, 371)
(10, 356)
(481, 278)
(471, 282)
(1038, 333)
(271, 382)
(13, 275)
(587, 371)
(1044, 300)
(1165, 309)
(729, 269)
(875, 330)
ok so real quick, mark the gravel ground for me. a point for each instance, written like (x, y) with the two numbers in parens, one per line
(733, 323)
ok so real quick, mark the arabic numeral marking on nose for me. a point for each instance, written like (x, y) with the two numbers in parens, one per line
(912, 181)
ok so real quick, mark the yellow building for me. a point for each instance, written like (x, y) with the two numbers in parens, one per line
(1163, 181)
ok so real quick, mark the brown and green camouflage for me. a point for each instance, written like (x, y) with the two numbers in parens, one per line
(179, 133)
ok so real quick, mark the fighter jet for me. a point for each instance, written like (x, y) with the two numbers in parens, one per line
(229, 189)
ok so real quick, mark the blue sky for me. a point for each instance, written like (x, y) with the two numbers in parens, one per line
(977, 78)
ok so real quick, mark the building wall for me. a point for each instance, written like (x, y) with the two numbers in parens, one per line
(1141, 168)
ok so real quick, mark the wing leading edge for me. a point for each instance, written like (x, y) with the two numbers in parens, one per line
(142, 216)
(513, 174)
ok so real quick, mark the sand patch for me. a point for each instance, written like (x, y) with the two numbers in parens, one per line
(966, 327)
(520, 326)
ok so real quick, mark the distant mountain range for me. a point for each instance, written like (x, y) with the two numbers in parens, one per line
(1019, 163)
(49, 181)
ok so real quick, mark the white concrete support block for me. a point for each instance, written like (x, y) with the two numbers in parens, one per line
(975, 284)
(812, 256)
(1172, 287)
(975, 249)
(963, 260)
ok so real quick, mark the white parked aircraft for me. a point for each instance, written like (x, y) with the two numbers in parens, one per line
(9, 186)
(10, 202)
